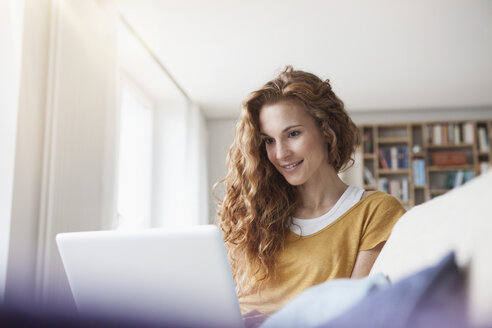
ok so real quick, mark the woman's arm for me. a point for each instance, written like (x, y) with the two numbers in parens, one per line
(365, 260)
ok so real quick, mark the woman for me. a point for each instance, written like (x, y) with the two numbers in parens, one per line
(287, 219)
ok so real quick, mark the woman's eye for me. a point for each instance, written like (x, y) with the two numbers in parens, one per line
(294, 133)
(268, 140)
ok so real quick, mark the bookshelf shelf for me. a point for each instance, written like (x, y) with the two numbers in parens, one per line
(393, 140)
(401, 158)
(449, 146)
(450, 168)
(391, 171)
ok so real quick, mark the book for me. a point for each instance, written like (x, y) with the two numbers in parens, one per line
(394, 158)
(458, 178)
(394, 188)
(404, 190)
(437, 134)
(450, 180)
(368, 146)
(450, 133)
(484, 166)
(369, 177)
(468, 133)
(457, 134)
(384, 162)
(383, 184)
(422, 170)
(429, 133)
(416, 172)
(406, 156)
(444, 129)
(403, 157)
(483, 142)
(468, 175)
(418, 167)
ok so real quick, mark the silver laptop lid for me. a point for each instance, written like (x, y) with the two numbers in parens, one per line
(159, 275)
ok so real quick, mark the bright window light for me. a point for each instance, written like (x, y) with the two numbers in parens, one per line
(135, 162)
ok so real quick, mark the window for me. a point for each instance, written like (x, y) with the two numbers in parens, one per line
(135, 161)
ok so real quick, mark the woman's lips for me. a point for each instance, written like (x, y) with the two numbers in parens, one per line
(291, 167)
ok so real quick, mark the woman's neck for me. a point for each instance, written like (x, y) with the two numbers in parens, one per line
(317, 196)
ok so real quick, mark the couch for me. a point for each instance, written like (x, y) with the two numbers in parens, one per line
(459, 221)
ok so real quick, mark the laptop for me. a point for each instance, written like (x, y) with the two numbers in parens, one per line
(164, 276)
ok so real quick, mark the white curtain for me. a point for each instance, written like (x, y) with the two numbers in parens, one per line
(66, 140)
(11, 19)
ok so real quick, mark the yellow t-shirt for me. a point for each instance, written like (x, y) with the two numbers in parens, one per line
(329, 253)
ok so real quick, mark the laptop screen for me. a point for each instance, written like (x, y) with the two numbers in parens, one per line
(159, 275)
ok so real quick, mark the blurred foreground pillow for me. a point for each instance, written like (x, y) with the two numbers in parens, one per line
(431, 298)
(323, 302)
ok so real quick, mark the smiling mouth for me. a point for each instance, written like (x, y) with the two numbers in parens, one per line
(291, 166)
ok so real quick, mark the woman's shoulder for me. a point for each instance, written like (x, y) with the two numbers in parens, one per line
(381, 198)
(367, 193)
(378, 207)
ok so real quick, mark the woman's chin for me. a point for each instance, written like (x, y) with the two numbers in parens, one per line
(294, 181)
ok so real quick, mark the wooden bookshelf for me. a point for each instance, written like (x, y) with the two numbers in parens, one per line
(421, 160)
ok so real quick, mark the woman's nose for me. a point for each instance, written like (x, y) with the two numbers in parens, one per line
(282, 151)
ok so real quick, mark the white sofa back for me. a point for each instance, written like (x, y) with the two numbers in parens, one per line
(460, 220)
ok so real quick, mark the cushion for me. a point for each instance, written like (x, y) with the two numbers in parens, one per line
(433, 298)
(324, 302)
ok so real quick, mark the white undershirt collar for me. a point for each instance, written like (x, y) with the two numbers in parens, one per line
(349, 198)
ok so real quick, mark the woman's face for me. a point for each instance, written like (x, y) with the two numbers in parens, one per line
(293, 141)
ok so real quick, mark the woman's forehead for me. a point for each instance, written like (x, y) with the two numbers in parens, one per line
(278, 116)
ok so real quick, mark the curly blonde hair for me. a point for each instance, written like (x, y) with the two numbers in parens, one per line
(256, 212)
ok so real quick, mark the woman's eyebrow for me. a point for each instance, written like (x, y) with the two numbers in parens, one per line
(263, 134)
(290, 127)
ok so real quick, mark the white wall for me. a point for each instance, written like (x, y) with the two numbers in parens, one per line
(197, 165)
(221, 134)
(11, 19)
(418, 115)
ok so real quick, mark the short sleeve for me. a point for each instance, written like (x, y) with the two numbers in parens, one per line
(380, 221)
